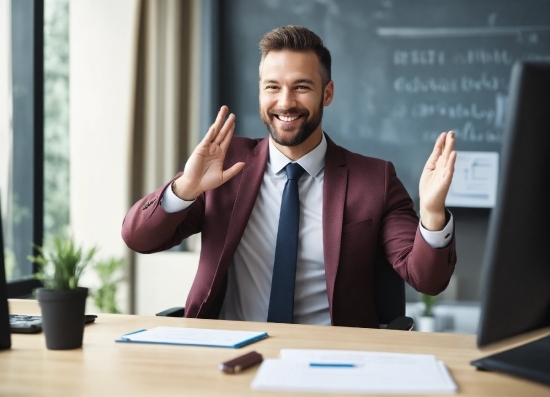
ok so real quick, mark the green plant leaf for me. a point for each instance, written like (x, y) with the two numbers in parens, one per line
(61, 263)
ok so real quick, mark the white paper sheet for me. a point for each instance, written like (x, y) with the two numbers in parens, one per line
(372, 373)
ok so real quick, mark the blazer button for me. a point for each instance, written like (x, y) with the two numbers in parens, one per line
(148, 204)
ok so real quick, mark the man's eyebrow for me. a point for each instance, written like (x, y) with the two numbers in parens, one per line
(300, 81)
(304, 81)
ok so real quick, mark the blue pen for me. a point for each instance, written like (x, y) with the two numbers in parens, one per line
(333, 365)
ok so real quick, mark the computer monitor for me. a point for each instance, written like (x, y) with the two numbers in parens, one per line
(5, 335)
(516, 269)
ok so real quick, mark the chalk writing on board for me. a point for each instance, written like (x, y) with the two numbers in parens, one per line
(404, 70)
(417, 84)
(466, 85)
(426, 72)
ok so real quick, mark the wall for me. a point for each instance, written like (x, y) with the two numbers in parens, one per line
(102, 77)
(163, 280)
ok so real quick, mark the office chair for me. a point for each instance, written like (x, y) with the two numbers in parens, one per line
(389, 297)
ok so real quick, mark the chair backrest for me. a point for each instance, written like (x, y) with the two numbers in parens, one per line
(389, 290)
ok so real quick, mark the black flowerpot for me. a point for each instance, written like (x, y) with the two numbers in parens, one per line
(63, 317)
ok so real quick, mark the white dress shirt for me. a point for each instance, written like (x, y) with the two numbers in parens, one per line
(249, 276)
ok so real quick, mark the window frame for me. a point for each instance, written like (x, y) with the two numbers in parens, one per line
(27, 25)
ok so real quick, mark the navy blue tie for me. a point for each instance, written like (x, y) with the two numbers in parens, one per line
(281, 301)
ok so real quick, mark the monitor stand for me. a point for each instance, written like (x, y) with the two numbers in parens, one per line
(530, 361)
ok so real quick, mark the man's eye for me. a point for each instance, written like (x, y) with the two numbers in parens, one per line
(302, 87)
(271, 87)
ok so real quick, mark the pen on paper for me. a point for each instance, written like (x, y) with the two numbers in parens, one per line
(333, 365)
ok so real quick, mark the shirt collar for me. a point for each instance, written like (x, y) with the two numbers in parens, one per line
(313, 162)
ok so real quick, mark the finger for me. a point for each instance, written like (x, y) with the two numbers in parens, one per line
(216, 126)
(449, 169)
(452, 161)
(232, 171)
(447, 164)
(227, 136)
(228, 125)
(449, 143)
(436, 152)
(446, 143)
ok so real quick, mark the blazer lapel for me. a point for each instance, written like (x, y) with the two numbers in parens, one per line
(334, 198)
(251, 180)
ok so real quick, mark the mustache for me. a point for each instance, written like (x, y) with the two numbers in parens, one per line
(286, 112)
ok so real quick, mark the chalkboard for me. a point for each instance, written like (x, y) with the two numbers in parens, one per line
(404, 70)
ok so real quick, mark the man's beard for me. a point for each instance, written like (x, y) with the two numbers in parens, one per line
(304, 131)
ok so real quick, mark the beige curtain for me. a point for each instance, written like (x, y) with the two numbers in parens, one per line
(166, 100)
(162, 109)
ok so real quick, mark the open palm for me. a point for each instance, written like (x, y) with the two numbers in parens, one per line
(204, 169)
(437, 177)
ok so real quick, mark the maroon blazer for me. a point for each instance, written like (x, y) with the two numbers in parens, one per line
(364, 206)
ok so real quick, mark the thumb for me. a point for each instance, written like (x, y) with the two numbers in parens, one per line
(232, 171)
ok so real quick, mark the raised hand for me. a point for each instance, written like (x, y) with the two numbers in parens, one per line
(204, 169)
(435, 182)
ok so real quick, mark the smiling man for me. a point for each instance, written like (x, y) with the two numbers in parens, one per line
(291, 224)
(293, 93)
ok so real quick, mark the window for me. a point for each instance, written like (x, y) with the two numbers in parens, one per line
(34, 168)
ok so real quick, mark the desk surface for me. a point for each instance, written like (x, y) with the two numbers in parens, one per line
(105, 368)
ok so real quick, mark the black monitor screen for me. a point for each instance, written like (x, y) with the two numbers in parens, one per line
(516, 269)
(5, 339)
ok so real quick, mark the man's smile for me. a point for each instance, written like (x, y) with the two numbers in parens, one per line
(287, 118)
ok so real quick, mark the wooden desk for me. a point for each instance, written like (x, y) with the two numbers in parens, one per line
(105, 368)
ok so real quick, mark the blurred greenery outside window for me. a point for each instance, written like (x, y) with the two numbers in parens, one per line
(17, 207)
(56, 117)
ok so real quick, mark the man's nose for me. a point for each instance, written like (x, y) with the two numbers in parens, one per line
(287, 99)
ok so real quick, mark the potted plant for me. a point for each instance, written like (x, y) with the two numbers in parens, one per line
(426, 322)
(62, 301)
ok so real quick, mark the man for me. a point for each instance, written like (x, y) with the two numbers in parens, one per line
(232, 188)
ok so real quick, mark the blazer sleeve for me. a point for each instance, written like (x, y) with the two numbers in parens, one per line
(426, 269)
(148, 228)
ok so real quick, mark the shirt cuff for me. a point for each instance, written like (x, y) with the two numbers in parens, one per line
(172, 203)
(441, 238)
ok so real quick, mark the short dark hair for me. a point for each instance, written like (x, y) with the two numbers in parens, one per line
(300, 39)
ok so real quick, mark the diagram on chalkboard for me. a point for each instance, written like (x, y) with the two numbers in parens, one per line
(475, 180)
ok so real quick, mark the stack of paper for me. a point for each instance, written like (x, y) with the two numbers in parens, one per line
(193, 336)
(340, 371)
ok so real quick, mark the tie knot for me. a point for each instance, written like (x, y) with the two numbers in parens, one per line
(294, 171)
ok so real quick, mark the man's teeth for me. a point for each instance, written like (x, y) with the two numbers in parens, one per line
(284, 118)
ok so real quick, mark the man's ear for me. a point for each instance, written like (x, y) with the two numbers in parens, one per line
(328, 93)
